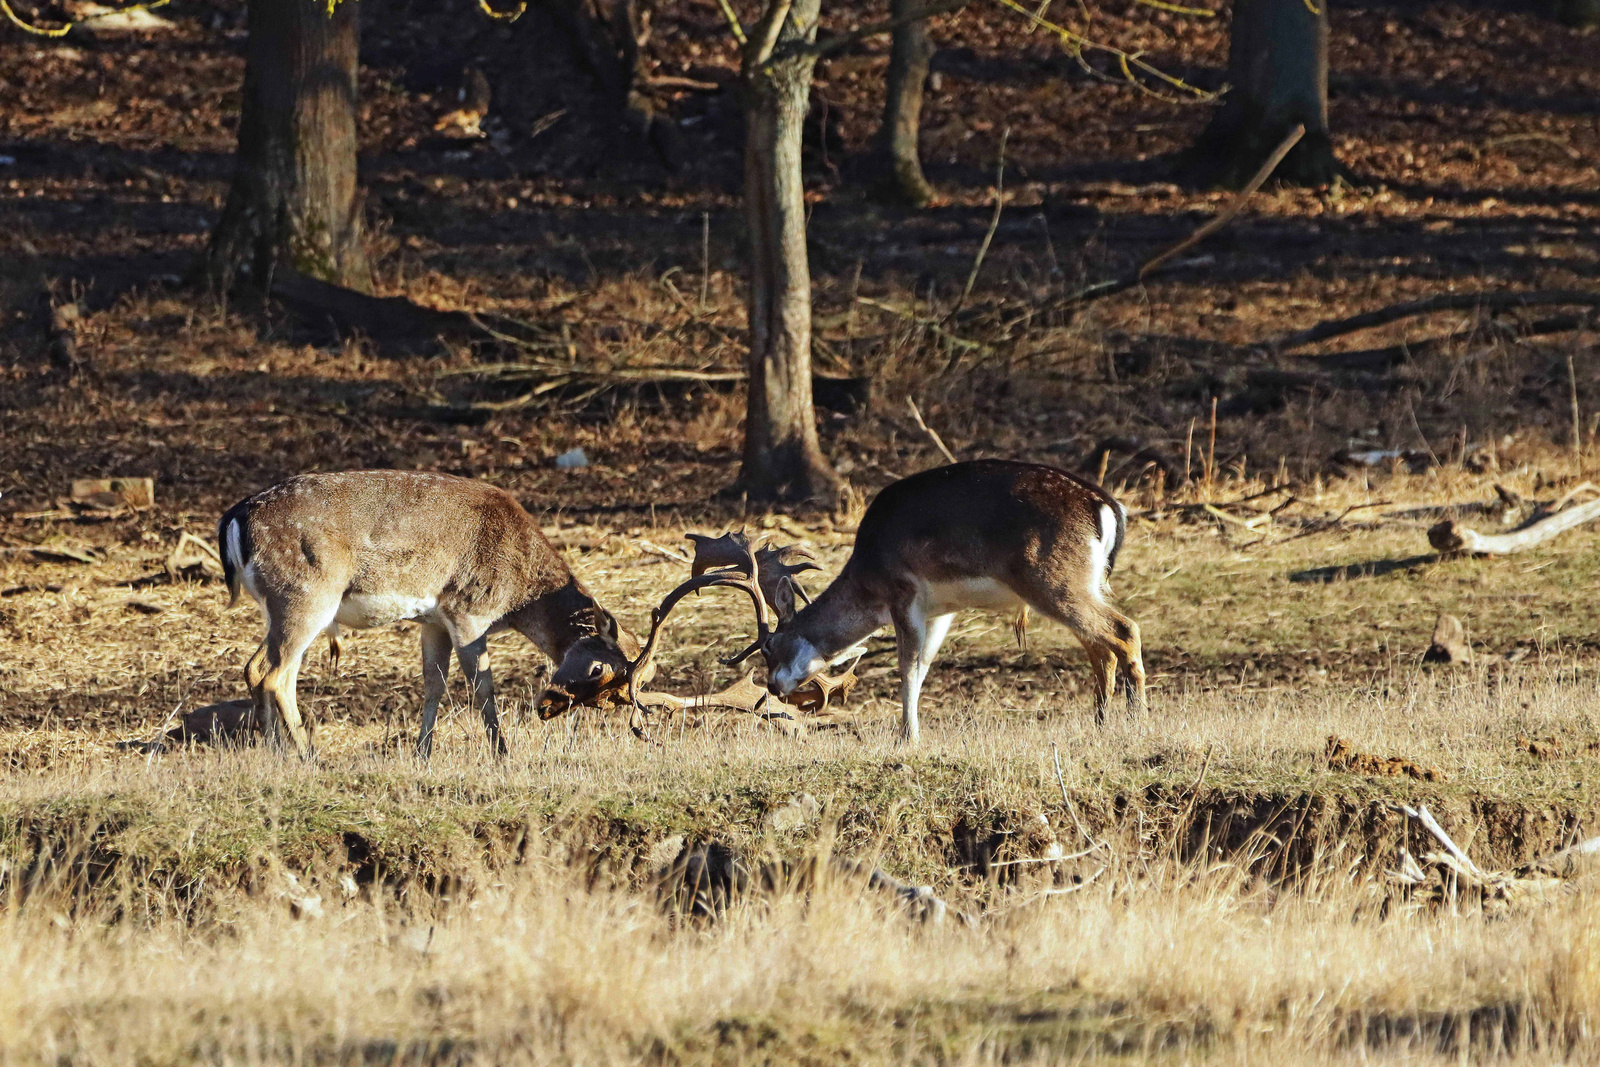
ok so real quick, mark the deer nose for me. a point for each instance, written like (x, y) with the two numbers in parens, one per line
(553, 703)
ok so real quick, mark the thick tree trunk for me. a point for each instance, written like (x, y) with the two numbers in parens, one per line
(898, 162)
(294, 198)
(782, 457)
(1278, 77)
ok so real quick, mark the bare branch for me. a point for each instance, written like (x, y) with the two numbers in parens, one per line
(770, 26)
(839, 42)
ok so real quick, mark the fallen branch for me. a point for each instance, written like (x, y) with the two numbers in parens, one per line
(1207, 507)
(1322, 331)
(392, 323)
(1449, 537)
(1231, 211)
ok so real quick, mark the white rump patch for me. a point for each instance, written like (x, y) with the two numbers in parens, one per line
(1100, 555)
(250, 578)
(232, 544)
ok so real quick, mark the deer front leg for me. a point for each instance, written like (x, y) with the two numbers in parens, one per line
(475, 665)
(435, 670)
(917, 639)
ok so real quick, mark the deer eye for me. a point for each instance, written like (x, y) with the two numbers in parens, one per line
(597, 670)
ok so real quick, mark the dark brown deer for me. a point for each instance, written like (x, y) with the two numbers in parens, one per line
(988, 534)
(369, 548)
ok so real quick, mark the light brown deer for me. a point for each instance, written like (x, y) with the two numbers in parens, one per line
(369, 548)
(989, 534)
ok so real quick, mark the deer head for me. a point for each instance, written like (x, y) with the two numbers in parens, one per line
(595, 668)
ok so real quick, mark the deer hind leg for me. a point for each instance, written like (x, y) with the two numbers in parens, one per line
(255, 673)
(435, 671)
(1103, 670)
(1126, 645)
(475, 665)
(288, 638)
(1097, 631)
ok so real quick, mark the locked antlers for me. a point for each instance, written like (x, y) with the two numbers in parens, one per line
(767, 576)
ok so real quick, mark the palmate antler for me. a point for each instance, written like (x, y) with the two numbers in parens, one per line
(767, 576)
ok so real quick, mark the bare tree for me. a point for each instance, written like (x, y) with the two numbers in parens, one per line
(898, 160)
(783, 459)
(294, 200)
(1278, 77)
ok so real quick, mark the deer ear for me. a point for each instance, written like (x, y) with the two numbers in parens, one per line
(607, 623)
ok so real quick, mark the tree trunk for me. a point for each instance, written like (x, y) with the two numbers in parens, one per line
(782, 457)
(607, 36)
(1278, 73)
(898, 161)
(294, 197)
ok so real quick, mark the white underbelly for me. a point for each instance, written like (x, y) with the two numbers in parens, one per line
(981, 594)
(363, 611)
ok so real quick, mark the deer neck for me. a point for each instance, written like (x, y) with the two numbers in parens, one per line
(557, 620)
(843, 616)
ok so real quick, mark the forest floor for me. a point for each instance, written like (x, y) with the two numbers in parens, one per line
(1233, 905)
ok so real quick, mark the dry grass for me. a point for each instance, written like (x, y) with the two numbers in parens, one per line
(553, 958)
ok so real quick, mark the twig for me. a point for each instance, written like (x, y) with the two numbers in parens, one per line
(1231, 211)
(656, 550)
(1025, 861)
(1204, 767)
(1085, 884)
(1194, 792)
(1188, 451)
(930, 324)
(1334, 523)
(733, 23)
(1072, 809)
(1211, 450)
(938, 442)
(705, 258)
(1153, 512)
(1415, 425)
(1572, 494)
(1249, 524)
(994, 222)
(1577, 422)
(1163, 261)
(1322, 331)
